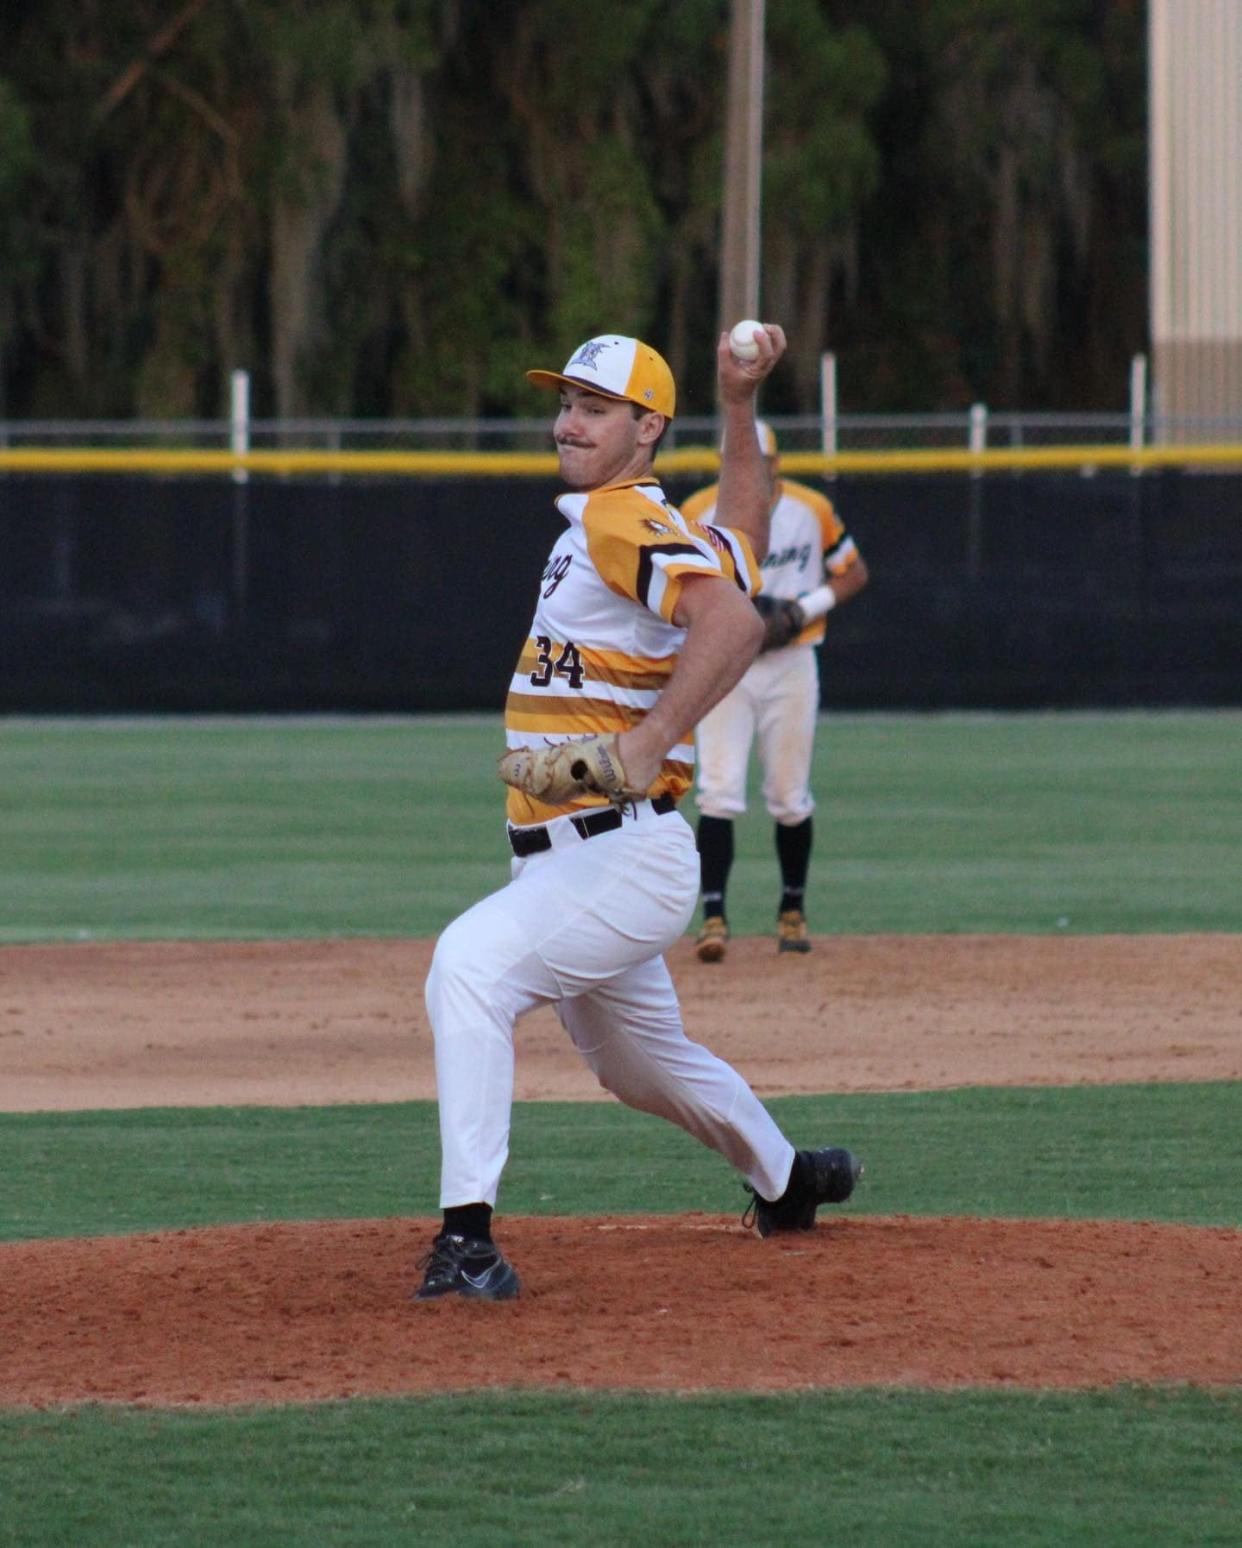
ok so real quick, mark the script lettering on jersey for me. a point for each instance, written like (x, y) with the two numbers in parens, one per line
(568, 663)
(801, 553)
(554, 572)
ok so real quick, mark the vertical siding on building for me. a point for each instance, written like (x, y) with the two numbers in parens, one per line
(1195, 63)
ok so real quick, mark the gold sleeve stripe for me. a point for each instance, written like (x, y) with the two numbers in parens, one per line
(741, 572)
(698, 504)
(654, 558)
(841, 558)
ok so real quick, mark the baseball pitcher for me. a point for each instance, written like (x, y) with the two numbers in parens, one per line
(642, 623)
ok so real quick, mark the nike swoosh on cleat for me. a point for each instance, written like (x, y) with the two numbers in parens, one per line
(479, 1282)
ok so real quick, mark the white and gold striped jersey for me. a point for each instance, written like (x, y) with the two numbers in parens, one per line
(807, 538)
(602, 644)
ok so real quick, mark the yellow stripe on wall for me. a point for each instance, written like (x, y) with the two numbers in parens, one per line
(439, 464)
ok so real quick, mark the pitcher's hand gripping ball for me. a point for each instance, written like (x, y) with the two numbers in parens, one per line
(742, 344)
(783, 620)
(558, 774)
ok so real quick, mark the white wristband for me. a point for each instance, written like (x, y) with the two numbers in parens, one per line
(818, 602)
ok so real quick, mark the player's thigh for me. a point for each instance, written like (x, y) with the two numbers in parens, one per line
(639, 1003)
(596, 908)
(722, 750)
(486, 963)
(629, 1030)
(787, 722)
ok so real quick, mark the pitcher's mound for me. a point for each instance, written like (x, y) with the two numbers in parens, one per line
(296, 1312)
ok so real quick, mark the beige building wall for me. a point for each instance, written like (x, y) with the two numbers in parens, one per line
(1195, 134)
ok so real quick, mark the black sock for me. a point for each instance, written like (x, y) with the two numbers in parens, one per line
(793, 852)
(715, 839)
(470, 1220)
(797, 1179)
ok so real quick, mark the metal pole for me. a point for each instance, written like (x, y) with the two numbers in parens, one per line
(1138, 402)
(978, 428)
(974, 531)
(743, 172)
(828, 406)
(239, 420)
(239, 440)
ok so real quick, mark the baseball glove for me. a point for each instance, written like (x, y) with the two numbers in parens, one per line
(783, 620)
(558, 774)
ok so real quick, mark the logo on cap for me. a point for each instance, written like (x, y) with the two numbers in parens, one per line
(589, 353)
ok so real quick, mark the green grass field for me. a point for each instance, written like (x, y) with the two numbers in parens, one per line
(212, 829)
(936, 823)
(873, 1469)
(1131, 1152)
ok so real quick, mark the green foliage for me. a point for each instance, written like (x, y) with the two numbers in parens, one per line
(875, 1469)
(209, 185)
(821, 164)
(17, 154)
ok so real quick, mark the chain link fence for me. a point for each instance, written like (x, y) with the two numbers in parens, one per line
(976, 429)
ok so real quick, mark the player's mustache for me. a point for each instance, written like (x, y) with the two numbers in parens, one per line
(566, 440)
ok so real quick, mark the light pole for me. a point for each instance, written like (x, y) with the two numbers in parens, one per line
(743, 178)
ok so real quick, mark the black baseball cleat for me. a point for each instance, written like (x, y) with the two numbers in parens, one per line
(463, 1265)
(829, 1176)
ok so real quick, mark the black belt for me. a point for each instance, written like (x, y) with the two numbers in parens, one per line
(533, 841)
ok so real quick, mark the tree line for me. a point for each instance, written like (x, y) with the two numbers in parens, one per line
(393, 207)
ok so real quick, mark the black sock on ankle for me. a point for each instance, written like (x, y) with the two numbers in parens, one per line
(797, 1179)
(715, 845)
(793, 853)
(472, 1220)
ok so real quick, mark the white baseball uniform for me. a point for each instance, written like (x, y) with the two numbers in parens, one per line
(597, 894)
(777, 700)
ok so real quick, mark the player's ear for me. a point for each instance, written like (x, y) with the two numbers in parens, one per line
(650, 428)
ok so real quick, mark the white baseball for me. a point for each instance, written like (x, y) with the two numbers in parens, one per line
(742, 345)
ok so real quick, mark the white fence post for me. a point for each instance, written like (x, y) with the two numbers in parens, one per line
(974, 530)
(239, 421)
(978, 427)
(239, 440)
(1138, 405)
(828, 406)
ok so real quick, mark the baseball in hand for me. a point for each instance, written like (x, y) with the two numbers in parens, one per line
(742, 345)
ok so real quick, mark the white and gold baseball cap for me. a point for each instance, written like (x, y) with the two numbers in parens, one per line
(616, 367)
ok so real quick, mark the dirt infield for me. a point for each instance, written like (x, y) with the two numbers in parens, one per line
(189, 1024)
(283, 1313)
(319, 1310)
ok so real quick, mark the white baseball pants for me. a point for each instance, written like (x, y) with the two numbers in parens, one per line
(776, 701)
(582, 926)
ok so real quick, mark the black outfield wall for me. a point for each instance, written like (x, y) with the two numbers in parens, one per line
(1007, 590)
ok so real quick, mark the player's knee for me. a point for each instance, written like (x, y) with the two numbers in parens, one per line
(457, 966)
(722, 806)
(789, 810)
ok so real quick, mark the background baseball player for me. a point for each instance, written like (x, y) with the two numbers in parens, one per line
(811, 567)
(642, 623)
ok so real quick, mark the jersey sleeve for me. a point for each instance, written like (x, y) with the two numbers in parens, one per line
(701, 504)
(700, 511)
(645, 551)
(839, 550)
